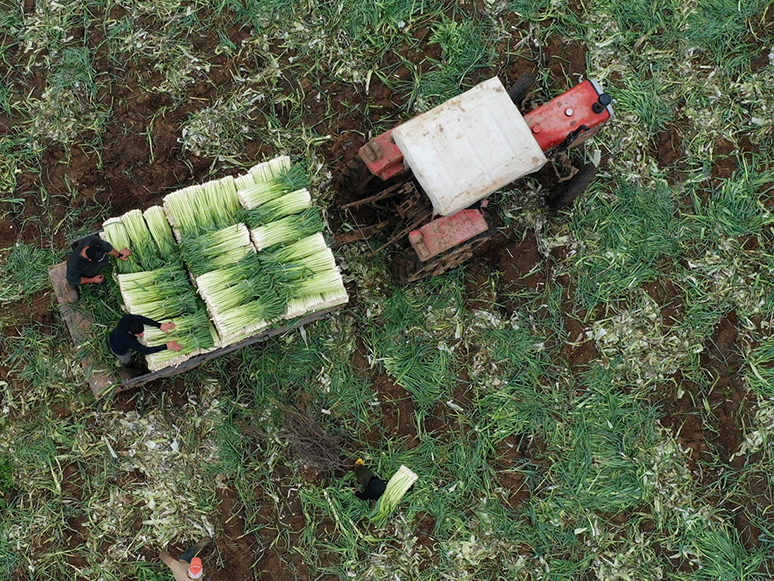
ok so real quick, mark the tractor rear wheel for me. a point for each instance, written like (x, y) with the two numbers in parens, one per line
(565, 193)
(520, 88)
(406, 266)
(358, 179)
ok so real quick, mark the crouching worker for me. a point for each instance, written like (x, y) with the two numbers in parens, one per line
(89, 257)
(371, 487)
(188, 566)
(124, 339)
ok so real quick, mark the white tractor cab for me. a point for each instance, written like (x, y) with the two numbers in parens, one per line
(439, 165)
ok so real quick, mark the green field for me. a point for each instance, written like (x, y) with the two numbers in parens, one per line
(589, 398)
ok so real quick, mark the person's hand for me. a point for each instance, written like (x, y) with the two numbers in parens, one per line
(97, 279)
(167, 327)
(174, 346)
(124, 254)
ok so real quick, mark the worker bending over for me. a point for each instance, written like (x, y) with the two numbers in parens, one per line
(125, 338)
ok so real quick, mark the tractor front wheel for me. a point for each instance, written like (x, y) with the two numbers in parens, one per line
(357, 179)
(520, 88)
(565, 193)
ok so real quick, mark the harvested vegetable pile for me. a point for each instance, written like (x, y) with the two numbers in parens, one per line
(195, 261)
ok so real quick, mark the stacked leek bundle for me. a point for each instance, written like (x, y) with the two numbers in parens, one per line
(198, 209)
(287, 229)
(242, 299)
(166, 294)
(216, 249)
(307, 275)
(154, 284)
(209, 233)
(147, 235)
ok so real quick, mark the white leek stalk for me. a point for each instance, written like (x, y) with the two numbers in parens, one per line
(143, 247)
(396, 489)
(160, 230)
(114, 231)
(288, 229)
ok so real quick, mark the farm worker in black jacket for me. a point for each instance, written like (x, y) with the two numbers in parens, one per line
(372, 487)
(123, 339)
(89, 257)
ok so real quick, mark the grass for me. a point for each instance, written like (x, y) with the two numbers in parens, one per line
(532, 465)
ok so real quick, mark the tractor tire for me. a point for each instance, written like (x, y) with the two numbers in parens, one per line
(407, 268)
(564, 195)
(520, 88)
(357, 179)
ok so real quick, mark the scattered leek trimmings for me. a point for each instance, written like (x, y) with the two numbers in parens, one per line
(193, 331)
(396, 489)
(217, 249)
(202, 208)
(115, 233)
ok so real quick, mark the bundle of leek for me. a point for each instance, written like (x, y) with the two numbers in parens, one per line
(158, 294)
(230, 287)
(290, 273)
(183, 213)
(328, 281)
(246, 319)
(306, 246)
(161, 232)
(218, 200)
(265, 191)
(193, 331)
(396, 489)
(244, 181)
(291, 203)
(268, 170)
(143, 246)
(287, 229)
(217, 249)
(315, 302)
(114, 232)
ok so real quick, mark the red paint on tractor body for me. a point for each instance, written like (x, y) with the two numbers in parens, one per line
(382, 156)
(446, 232)
(552, 123)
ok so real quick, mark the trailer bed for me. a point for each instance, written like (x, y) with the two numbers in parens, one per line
(107, 381)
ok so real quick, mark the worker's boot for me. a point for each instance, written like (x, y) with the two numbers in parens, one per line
(362, 474)
(131, 371)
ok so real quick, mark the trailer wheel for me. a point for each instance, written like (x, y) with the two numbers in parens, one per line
(520, 88)
(357, 178)
(565, 193)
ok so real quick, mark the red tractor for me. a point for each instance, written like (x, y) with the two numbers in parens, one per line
(427, 176)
